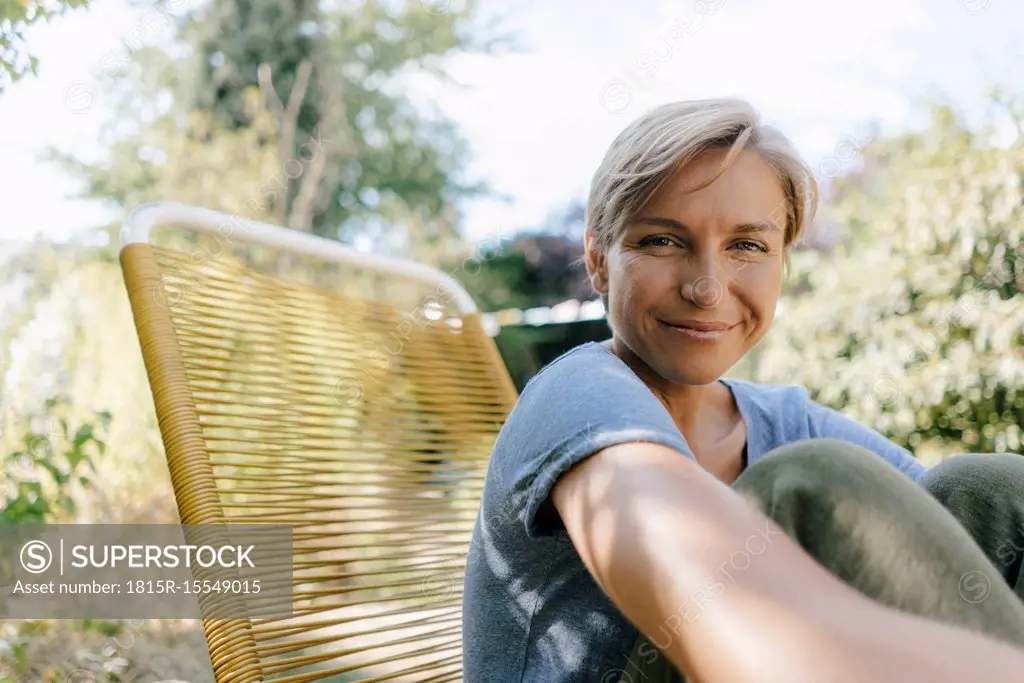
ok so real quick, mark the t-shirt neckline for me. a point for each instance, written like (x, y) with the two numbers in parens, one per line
(740, 396)
(736, 387)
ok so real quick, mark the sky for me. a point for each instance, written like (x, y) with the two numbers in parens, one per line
(540, 121)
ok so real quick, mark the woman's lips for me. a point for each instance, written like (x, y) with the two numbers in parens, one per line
(697, 331)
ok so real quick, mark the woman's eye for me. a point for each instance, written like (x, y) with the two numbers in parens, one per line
(656, 241)
(747, 245)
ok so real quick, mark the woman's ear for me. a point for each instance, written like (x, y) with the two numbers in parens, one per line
(597, 267)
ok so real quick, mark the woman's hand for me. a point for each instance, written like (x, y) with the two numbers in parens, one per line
(689, 561)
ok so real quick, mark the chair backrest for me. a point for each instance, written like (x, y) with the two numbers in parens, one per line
(364, 422)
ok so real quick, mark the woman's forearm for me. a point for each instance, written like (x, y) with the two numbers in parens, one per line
(886, 645)
(838, 636)
(727, 595)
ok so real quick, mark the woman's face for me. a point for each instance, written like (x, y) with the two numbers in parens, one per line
(693, 280)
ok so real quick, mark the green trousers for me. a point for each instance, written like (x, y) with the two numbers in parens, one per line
(949, 548)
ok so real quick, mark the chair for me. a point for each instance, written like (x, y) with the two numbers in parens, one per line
(355, 398)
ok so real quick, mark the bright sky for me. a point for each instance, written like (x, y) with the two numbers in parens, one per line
(540, 122)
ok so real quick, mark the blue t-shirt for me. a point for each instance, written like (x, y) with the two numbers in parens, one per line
(531, 610)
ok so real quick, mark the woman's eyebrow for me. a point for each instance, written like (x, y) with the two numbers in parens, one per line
(663, 223)
(758, 226)
(755, 227)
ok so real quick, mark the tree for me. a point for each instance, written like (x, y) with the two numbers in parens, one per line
(301, 108)
(537, 266)
(16, 16)
(912, 322)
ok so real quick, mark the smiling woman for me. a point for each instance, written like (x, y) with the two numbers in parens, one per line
(644, 516)
(698, 266)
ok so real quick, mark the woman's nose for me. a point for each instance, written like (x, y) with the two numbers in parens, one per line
(706, 291)
(706, 286)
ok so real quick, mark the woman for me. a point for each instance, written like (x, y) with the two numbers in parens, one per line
(645, 518)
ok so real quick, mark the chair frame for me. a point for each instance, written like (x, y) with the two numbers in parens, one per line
(137, 227)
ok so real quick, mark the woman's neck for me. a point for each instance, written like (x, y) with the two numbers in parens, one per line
(704, 413)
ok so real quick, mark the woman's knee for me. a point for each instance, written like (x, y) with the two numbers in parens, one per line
(971, 478)
(833, 497)
(985, 494)
(832, 466)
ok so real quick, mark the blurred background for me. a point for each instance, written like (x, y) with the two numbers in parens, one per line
(440, 129)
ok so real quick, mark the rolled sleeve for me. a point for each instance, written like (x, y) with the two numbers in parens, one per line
(583, 402)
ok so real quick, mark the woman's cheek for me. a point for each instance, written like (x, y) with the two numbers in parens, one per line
(759, 273)
(631, 275)
(761, 284)
(653, 274)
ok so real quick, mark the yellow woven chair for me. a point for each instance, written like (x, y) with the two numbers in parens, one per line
(353, 397)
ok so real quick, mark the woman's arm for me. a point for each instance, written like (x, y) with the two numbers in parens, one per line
(661, 536)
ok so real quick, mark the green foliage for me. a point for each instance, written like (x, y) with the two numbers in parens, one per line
(501, 283)
(104, 627)
(912, 323)
(52, 455)
(47, 463)
(15, 17)
(541, 267)
(537, 271)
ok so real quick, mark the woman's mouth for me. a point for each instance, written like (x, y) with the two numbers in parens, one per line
(696, 330)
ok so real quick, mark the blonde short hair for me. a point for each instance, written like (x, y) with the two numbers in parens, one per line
(655, 146)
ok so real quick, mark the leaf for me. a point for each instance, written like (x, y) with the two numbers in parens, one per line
(39, 508)
(84, 434)
(20, 657)
(74, 457)
(58, 475)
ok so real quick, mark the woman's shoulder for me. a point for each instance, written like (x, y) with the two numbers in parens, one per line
(789, 412)
(589, 350)
(790, 404)
(583, 364)
(588, 382)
